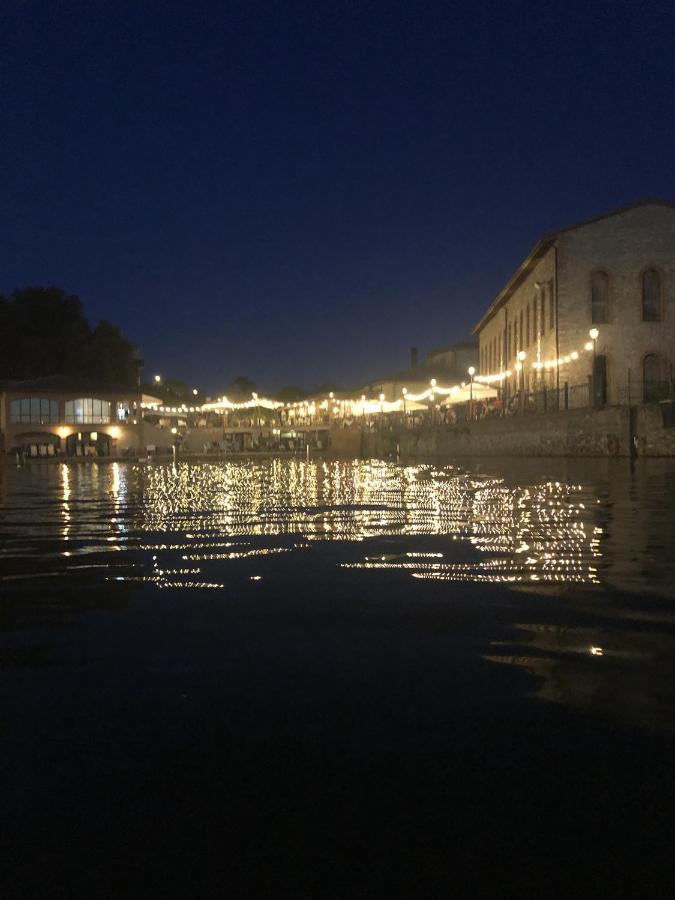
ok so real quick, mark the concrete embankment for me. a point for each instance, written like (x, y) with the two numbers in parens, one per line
(612, 431)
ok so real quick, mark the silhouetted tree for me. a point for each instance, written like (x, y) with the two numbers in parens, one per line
(290, 394)
(43, 331)
(325, 388)
(112, 357)
(241, 388)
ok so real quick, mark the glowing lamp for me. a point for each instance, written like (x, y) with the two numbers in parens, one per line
(593, 334)
(381, 398)
(588, 345)
(521, 355)
(404, 391)
(158, 378)
(114, 432)
(433, 382)
(63, 432)
(471, 370)
(195, 391)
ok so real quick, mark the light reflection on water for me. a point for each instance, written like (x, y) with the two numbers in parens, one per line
(598, 535)
(167, 520)
(546, 532)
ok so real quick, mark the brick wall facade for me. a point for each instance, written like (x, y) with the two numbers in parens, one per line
(557, 282)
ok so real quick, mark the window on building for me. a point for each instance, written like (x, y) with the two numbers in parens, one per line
(34, 411)
(88, 411)
(527, 325)
(534, 320)
(655, 384)
(123, 410)
(651, 296)
(551, 309)
(508, 340)
(520, 331)
(599, 298)
(542, 311)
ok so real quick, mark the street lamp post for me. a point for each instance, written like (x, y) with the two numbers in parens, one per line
(593, 335)
(472, 371)
(519, 367)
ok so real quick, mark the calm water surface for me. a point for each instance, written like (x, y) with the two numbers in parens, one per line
(362, 678)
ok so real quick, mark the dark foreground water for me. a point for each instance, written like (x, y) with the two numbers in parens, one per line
(347, 679)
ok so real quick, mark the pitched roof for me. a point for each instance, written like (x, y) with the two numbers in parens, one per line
(65, 384)
(544, 243)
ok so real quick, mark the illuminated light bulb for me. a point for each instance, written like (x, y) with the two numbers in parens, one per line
(158, 378)
(471, 370)
(433, 382)
(519, 366)
(521, 355)
(404, 391)
(381, 397)
(114, 432)
(593, 334)
(574, 354)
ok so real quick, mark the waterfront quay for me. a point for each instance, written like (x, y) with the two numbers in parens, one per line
(45, 422)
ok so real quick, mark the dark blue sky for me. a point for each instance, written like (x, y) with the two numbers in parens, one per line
(299, 192)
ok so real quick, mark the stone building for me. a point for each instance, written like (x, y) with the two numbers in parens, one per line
(614, 273)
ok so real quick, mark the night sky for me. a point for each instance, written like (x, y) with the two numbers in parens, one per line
(300, 192)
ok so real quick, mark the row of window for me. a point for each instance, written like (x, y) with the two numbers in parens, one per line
(34, 411)
(41, 411)
(88, 411)
(651, 297)
(532, 321)
(535, 319)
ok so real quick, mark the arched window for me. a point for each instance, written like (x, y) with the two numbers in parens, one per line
(87, 411)
(542, 311)
(655, 387)
(599, 298)
(651, 296)
(34, 411)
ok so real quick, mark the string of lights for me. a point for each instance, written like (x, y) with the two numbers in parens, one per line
(408, 402)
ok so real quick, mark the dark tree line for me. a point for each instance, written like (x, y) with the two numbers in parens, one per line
(44, 331)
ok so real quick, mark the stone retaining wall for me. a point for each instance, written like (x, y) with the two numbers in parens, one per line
(576, 433)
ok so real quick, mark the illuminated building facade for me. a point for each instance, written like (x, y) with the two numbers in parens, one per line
(59, 416)
(614, 274)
